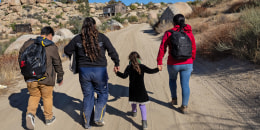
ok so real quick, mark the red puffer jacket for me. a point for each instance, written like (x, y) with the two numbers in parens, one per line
(166, 42)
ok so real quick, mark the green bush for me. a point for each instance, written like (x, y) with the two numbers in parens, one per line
(195, 2)
(132, 19)
(247, 38)
(59, 16)
(212, 3)
(117, 18)
(12, 25)
(45, 10)
(104, 27)
(133, 7)
(76, 23)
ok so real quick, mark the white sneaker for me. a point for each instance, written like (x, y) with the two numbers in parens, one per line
(30, 121)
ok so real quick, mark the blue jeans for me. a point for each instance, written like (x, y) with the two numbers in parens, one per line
(94, 79)
(185, 72)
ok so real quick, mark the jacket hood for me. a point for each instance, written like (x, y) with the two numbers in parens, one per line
(43, 40)
(187, 28)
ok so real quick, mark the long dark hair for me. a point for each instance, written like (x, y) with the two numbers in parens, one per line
(89, 35)
(179, 19)
(134, 61)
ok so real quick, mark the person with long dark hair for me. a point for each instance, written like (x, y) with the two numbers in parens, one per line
(89, 48)
(174, 65)
(137, 92)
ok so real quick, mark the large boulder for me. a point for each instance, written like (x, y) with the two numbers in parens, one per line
(173, 9)
(98, 22)
(59, 4)
(33, 21)
(14, 2)
(16, 45)
(65, 33)
(28, 2)
(157, 5)
(17, 8)
(92, 10)
(134, 13)
(115, 24)
(153, 14)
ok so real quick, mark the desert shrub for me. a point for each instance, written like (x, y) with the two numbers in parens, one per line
(76, 23)
(58, 16)
(62, 1)
(199, 12)
(4, 46)
(239, 6)
(218, 42)
(241, 39)
(12, 25)
(45, 10)
(195, 2)
(212, 3)
(8, 68)
(200, 28)
(45, 21)
(118, 18)
(247, 38)
(149, 5)
(104, 27)
(132, 19)
(133, 7)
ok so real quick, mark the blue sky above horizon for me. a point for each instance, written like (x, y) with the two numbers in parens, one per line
(128, 2)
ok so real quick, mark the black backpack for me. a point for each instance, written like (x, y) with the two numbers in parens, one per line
(33, 62)
(181, 46)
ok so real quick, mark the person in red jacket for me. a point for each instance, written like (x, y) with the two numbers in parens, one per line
(174, 66)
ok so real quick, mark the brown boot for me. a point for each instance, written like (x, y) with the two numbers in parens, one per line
(174, 101)
(184, 109)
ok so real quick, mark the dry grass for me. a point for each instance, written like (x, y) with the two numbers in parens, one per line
(240, 6)
(199, 28)
(218, 42)
(8, 68)
(199, 12)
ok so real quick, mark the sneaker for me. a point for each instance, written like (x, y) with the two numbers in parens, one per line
(87, 126)
(144, 124)
(184, 109)
(134, 114)
(49, 122)
(102, 123)
(174, 101)
(30, 121)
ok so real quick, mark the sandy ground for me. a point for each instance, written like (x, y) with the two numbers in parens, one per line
(224, 94)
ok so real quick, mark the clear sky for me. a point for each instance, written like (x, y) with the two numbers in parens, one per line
(128, 2)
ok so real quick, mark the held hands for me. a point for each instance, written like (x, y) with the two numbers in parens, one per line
(160, 67)
(116, 69)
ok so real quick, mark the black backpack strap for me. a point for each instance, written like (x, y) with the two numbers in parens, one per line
(171, 31)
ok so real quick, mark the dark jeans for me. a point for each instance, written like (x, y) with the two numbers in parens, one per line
(94, 79)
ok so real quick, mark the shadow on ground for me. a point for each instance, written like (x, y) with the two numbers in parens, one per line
(61, 101)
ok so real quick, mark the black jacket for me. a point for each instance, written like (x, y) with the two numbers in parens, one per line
(75, 46)
(137, 91)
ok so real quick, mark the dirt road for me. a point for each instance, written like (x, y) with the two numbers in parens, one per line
(219, 94)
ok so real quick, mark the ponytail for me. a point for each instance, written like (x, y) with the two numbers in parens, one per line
(134, 61)
(179, 19)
